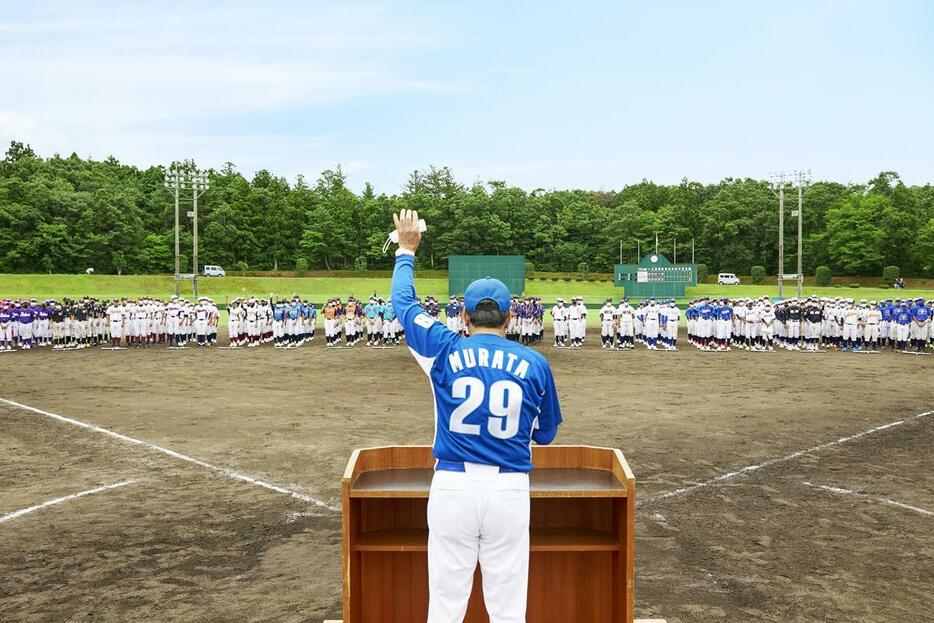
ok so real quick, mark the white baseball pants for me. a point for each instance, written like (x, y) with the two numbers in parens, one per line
(478, 515)
(671, 330)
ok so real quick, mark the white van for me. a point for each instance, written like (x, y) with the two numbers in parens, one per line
(727, 279)
(214, 271)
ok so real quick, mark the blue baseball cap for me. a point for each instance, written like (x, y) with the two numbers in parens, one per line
(487, 288)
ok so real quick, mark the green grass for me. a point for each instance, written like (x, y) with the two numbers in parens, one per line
(318, 289)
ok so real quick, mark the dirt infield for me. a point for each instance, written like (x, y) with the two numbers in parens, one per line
(185, 542)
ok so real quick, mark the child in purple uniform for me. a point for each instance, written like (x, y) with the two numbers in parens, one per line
(6, 327)
(26, 317)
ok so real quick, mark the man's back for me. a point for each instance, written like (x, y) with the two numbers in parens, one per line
(493, 397)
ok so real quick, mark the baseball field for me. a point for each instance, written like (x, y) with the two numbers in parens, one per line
(319, 289)
(203, 485)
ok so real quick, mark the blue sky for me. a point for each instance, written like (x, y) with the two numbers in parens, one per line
(541, 94)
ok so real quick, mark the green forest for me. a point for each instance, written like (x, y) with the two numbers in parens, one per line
(65, 214)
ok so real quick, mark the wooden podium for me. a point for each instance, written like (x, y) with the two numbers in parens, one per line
(580, 567)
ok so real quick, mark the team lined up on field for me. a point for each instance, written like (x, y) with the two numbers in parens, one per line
(812, 323)
(75, 324)
(754, 324)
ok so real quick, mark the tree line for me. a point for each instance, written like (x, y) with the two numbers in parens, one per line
(65, 214)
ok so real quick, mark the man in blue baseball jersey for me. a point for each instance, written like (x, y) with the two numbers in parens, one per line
(493, 397)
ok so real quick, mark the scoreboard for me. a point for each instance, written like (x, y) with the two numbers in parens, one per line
(655, 276)
(664, 274)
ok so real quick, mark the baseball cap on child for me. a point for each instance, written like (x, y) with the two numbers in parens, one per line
(487, 288)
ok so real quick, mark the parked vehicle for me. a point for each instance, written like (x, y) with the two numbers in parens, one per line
(727, 279)
(214, 271)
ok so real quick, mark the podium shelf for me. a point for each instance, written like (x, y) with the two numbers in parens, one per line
(542, 540)
(549, 482)
(393, 540)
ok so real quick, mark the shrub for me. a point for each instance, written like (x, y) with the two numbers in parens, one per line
(583, 270)
(823, 275)
(757, 273)
(301, 266)
(702, 273)
(890, 274)
(854, 285)
(242, 266)
(837, 285)
(359, 264)
(567, 278)
(529, 267)
(885, 286)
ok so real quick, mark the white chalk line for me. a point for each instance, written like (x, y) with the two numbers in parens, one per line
(871, 497)
(770, 462)
(176, 455)
(61, 500)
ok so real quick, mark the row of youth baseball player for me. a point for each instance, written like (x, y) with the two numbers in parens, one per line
(753, 324)
(176, 322)
(121, 323)
(807, 324)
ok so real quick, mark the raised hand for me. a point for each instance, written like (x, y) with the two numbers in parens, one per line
(407, 226)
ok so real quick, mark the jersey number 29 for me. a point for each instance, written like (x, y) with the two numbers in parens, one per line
(504, 404)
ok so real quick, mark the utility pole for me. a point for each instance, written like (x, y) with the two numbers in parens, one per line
(675, 245)
(620, 251)
(692, 249)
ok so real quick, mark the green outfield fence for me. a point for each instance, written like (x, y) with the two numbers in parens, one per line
(462, 269)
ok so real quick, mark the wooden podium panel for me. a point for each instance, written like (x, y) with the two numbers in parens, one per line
(581, 523)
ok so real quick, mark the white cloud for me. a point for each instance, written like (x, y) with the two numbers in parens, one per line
(150, 82)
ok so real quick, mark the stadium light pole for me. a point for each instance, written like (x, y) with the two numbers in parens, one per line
(175, 182)
(199, 186)
(802, 178)
(779, 181)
